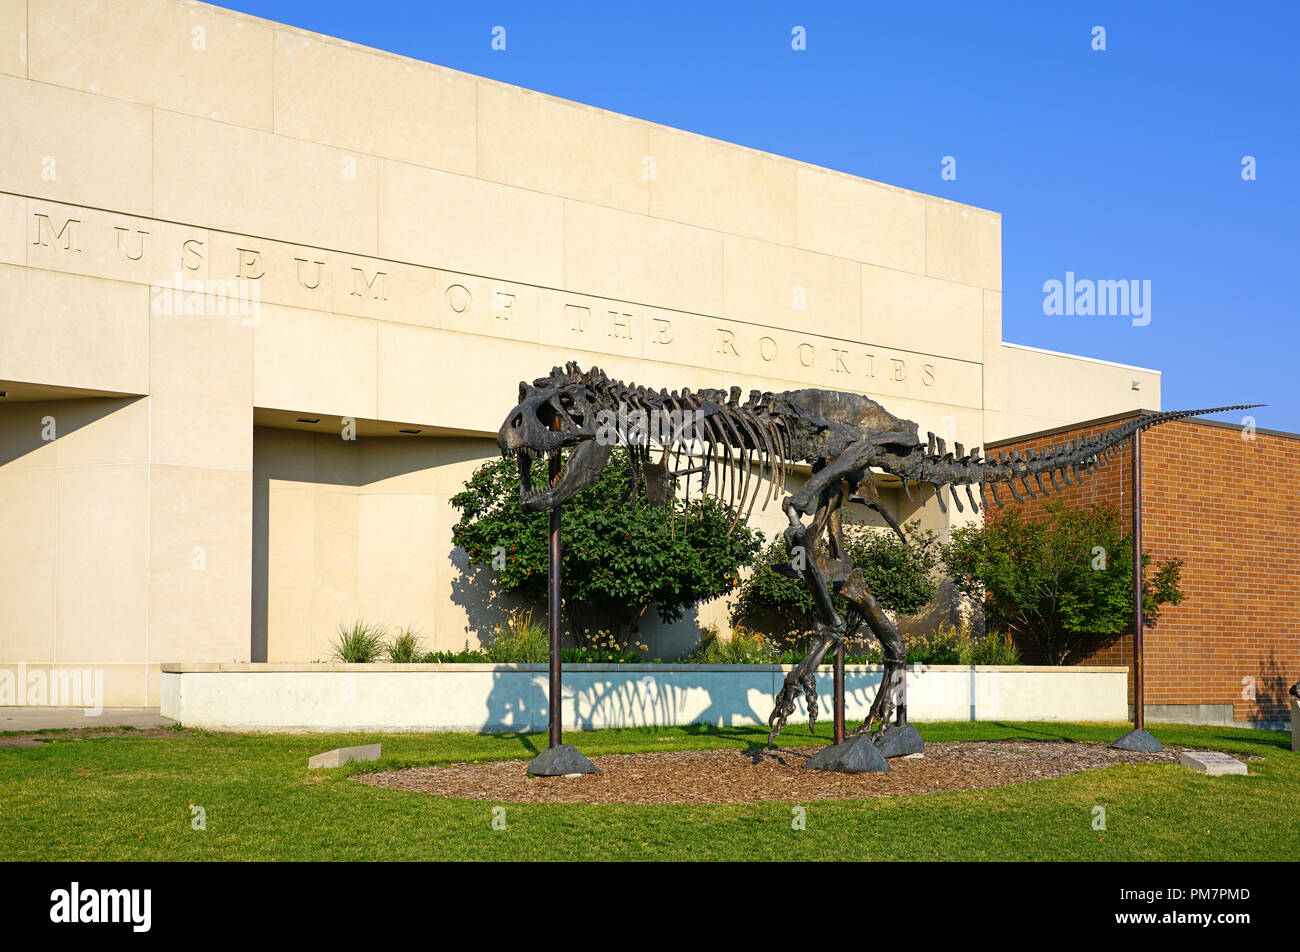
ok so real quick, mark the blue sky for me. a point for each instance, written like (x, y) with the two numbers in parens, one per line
(1116, 164)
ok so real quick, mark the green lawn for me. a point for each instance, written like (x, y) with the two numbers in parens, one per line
(129, 798)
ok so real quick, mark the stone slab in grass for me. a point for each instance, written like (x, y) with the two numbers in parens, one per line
(562, 760)
(1212, 762)
(344, 755)
(900, 741)
(1138, 741)
(856, 755)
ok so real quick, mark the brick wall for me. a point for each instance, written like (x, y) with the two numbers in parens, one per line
(1225, 506)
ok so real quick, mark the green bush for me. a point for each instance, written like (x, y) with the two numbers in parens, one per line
(620, 555)
(466, 656)
(1063, 584)
(519, 640)
(899, 576)
(360, 643)
(743, 647)
(405, 647)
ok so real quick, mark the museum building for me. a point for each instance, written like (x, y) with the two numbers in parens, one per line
(267, 296)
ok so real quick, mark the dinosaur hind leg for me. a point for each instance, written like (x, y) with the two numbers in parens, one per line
(813, 567)
(891, 642)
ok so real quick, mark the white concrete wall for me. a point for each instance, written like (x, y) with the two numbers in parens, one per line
(486, 697)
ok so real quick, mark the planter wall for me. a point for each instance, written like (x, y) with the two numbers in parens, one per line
(503, 697)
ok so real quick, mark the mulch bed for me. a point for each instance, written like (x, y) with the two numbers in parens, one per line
(748, 776)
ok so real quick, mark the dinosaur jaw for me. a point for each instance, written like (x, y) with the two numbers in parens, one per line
(580, 470)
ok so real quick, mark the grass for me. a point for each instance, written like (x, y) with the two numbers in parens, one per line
(124, 797)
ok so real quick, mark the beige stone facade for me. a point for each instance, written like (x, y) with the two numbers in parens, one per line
(227, 244)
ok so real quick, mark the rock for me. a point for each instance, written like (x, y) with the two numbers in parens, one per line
(1211, 762)
(1139, 742)
(562, 760)
(899, 741)
(856, 755)
(344, 755)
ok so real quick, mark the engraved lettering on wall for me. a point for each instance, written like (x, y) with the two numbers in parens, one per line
(49, 238)
(363, 286)
(502, 302)
(727, 344)
(309, 277)
(459, 298)
(620, 325)
(249, 263)
(192, 254)
(663, 331)
(577, 316)
(124, 245)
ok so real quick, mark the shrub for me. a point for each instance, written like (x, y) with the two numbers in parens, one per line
(361, 643)
(899, 576)
(405, 647)
(620, 555)
(466, 656)
(743, 647)
(519, 640)
(604, 648)
(1062, 584)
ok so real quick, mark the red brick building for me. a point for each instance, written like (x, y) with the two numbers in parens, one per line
(1223, 500)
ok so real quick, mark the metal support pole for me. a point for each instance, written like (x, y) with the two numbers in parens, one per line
(839, 692)
(901, 719)
(556, 704)
(1139, 705)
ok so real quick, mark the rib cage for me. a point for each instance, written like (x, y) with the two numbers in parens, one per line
(741, 446)
(737, 444)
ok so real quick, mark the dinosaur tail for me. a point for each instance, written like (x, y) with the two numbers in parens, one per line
(1078, 458)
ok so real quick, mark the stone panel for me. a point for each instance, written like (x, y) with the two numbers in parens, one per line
(73, 331)
(199, 563)
(321, 363)
(251, 182)
(916, 313)
(13, 37)
(469, 225)
(866, 221)
(617, 254)
(52, 145)
(101, 563)
(538, 142)
(367, 101)
(779, 286)
(963, 244)
(721, 186)
(189, 58)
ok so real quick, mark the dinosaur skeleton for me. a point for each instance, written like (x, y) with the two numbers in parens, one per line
(741, 451)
